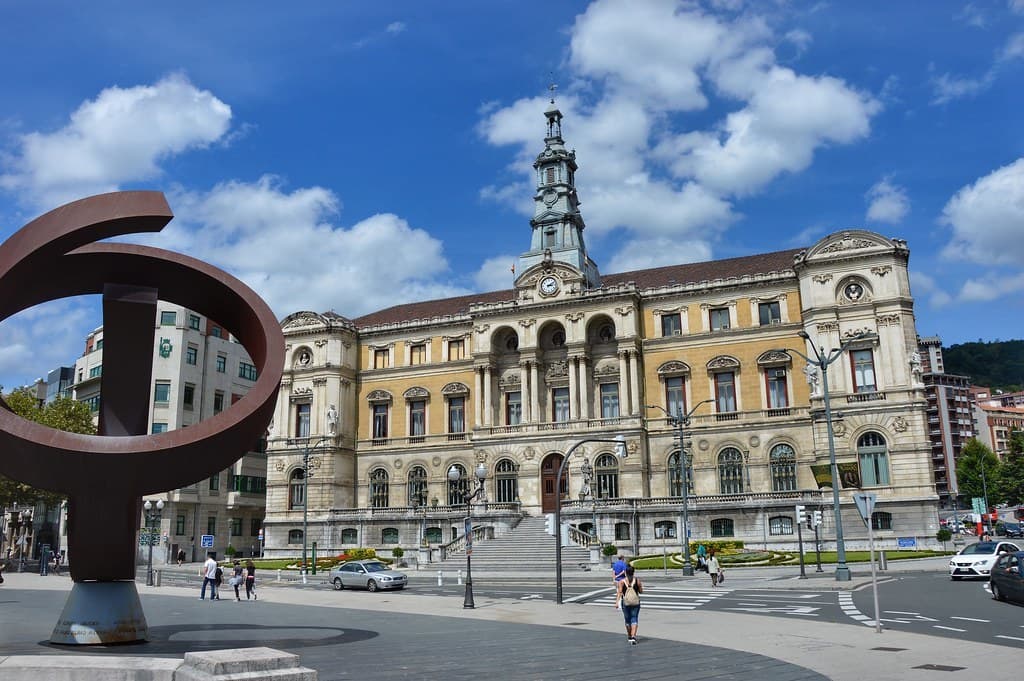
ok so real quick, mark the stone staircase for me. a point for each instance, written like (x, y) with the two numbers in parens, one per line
(526, 548)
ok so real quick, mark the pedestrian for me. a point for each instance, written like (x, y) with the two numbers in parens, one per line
(181, 556)
(702, 557)
(236, 579)
(627, 597)
(250, 579)
(209, 574)
(619, 569)
(714, 569)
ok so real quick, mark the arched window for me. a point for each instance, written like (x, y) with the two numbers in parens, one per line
(783, 465)
(880, 520)
(665, 529)
(379, 489)
(389, 535)
(730, 471)
(606, 470)
(675, 482)
(780, 524)
(458, 490)
(586, 527)
(417, 486)
(874, 460)
(433, 535)
(349, 535)
(506, 481)
(297, 489)
(294, 536)
(721, 527)
(622, 531)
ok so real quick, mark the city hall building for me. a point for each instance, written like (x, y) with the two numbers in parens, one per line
(375, 413)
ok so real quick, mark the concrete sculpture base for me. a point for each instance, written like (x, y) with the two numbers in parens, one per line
(100, 613)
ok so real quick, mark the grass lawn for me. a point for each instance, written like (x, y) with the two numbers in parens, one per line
(763, 558)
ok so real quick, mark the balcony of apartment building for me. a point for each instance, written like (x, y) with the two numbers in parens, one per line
(189, 494)
(246, 491)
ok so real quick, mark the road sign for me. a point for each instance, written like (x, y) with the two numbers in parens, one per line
(906, 542)
(978, 505)
(206, 541)
(865, 504)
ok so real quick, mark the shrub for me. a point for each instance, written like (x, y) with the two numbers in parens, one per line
(230, 551)
(609, 550)
(397, 552)
(943, 535)
(356, 554)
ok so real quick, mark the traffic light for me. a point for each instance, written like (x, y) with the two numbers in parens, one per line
(801, 516)
(549, 523)
(816, 519)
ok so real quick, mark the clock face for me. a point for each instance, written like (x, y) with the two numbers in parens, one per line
(548, 285)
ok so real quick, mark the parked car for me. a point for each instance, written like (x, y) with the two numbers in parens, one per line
(1006, 529)
(1007, 579)
(976, 560)
(372, 575)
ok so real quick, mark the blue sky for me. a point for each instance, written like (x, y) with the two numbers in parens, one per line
(351, 156)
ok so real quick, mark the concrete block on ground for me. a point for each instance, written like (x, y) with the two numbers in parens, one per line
(87, 668)
(243, 663)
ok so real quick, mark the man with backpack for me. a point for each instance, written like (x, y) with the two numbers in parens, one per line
(627, 596)
(211, 574)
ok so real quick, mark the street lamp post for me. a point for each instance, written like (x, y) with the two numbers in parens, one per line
(679, 420)
(306, 451)
(620, 451)
(152, 518)
(481, 474)
(822, 360)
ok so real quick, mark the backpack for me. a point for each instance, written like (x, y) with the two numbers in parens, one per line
(630, 596)
(219, 575)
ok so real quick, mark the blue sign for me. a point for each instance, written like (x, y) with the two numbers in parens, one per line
(207, 541)
(906, 542)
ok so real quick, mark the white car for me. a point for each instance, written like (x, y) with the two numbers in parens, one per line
(976, 560)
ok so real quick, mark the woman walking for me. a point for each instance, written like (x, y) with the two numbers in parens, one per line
(236, 579)
(250, 580)
(627, 596)
(713, 567)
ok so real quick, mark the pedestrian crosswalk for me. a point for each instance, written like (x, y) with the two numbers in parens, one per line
(657, 597)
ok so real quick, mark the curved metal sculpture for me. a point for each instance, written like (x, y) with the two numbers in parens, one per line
(104, 475)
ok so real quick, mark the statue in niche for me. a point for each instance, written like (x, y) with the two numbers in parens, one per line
(915, 367)
(587, 473)
(811, 372)
(332, 420)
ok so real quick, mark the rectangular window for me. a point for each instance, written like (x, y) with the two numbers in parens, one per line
(560, 404)
(162, 392)
(417, 419)
(168, 318)
(216, 332)
(189, 394)
(236, 527)
(380, 421)
(93, 403)
(215, 482)
(719, 317)
(549, 175)
(99, 344)
(96, 371)
(191, 355)
(159, 428)
(456, 414)
(193, 322)
(255, 524)
(418, 354)
(218, 401)
(769, 313)
(675, 395)
(380, 359)
(671, 324)
(302, 412)
(776, 386)
(513, 408)
(609, 400)
(456, 350)
(247, 371)
(211, 525)
(725, 391)
(222, 364)
(179, 525)
(863, 371)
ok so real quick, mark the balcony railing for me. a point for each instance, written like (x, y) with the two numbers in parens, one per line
(745, 500)
(865, 397)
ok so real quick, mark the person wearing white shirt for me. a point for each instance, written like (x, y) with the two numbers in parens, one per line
(209, 575)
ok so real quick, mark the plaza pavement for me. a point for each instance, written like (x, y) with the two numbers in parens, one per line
(389, 636)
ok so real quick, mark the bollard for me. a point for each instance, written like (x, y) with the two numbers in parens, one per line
(303, 571)
(159, 575)
(883, 563)
(279, 575)
(440, 580)
(460, 577)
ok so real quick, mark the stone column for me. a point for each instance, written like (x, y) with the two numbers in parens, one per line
(585, 386)
(624, 398)
(488, 407)
(574, 402)
(478, 406)
(524, 383)
(634, 383)
(535, 392)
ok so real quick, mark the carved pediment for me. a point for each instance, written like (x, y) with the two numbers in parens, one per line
(416, 393)
(674, 367)
(455, 389)
(379, 396)
(557, 369)
(301, 394)
(302, 319)
(723, 362)
(774, 358)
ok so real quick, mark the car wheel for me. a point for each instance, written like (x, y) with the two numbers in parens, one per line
(371, 585)
(997, 593)
(338, 586)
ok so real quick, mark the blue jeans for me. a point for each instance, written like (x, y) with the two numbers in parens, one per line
(631, 613)
(213, 588)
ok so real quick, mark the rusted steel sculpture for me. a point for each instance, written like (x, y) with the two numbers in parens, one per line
(105, 475)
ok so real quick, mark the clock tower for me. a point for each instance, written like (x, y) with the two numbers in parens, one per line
(557, 224)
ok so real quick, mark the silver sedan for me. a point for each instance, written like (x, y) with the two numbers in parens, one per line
(372, 575)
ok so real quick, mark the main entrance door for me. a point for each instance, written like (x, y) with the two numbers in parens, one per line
(548, 474)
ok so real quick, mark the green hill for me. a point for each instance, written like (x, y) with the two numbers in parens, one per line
(998, 364)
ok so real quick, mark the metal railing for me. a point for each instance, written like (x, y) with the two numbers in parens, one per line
(458, 545)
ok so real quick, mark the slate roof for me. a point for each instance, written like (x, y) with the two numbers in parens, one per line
(671, 275)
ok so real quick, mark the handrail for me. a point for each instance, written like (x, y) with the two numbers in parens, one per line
(581, 538)
(458, 545)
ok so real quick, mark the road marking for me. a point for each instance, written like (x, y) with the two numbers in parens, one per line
(806, 611)
(899, 612)
(1012, 638)
(589, 594)
(969, 619)
(939, 626)
(530, 597)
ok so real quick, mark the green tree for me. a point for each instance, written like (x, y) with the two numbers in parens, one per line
(1011, 472)
(63, 413)
(975, 457)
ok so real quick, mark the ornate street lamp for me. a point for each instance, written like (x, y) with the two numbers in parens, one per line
(307, 449)
(680, 420)
(152, 520)
(620, 451)
(481, 474)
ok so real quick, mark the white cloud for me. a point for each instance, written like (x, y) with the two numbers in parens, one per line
(28, 342)
(395, 27)
(972, 15)
(800, 39)
(495, 274)
(924, 286)
(1014, 48)
(948, 87)
(119, 137)
(1016, 6)
(641, 254)
(991, 287)
(986, 218)
(887, 202)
